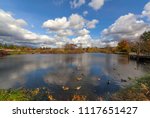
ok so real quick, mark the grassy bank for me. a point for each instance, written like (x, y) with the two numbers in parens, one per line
(140, 91)
(22, 94)
(38, 94)
(15, 50)
(54, 51)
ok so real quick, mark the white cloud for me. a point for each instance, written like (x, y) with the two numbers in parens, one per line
(92, 24)
(103, 43)
(75, 25)
(146, 11)
(76, 21)
(57, 24)
(83, 32)
(63, 33)
(84, 40)
(21, 22)
(127, 27)
(96, 4)
(85, 13)
(12, 31)
(77, 3)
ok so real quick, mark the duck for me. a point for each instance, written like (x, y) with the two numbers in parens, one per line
(65, 88)
(108, 82)
(123, 80)
(79, 78)
(78, 88)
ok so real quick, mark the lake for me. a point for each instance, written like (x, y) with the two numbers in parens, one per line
(92, 75)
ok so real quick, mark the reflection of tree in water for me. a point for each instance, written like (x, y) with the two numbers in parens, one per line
(69, 59)
(144, 66)
(108, 63)
(123, 59)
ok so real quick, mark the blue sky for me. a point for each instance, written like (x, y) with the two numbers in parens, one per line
(36, 12)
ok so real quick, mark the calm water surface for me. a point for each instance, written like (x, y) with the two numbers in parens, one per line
(101, 73)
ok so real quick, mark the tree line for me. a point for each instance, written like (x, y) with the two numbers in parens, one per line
(141, 46)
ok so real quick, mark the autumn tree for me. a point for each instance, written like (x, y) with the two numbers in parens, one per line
(123, 46)
(144, 43)
(70, 46)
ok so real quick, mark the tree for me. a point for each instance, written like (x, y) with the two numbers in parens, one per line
(1, 46)
(144, 42)
(145, 36)
(70, 46)
(123, 46)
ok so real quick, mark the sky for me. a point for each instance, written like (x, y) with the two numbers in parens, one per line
(90, 23)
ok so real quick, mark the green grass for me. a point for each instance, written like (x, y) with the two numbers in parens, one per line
(140, 91)
(22, 94)
(14, 95)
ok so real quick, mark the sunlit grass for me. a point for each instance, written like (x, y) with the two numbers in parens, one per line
(140, 91)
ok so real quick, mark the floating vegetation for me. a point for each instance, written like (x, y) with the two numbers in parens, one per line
(79, 98)
(51, 98)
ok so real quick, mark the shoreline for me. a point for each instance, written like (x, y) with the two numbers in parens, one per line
(139, 91)
(5, 52)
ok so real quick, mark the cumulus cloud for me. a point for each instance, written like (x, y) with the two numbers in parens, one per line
(92, 24)
(75, 25)
(57, 24)
(77, 3)
(12, 31)
(146, 11)
(83, 32)
(129, 26)
(84, 40)
(76, 21)
(96, 4)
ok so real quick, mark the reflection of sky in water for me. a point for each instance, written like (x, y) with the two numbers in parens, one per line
(54, 71)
